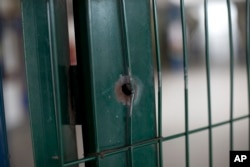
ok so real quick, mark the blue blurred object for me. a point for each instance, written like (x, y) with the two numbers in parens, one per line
(173, 12)
(174, 37)
(1, 28)
(4, 155)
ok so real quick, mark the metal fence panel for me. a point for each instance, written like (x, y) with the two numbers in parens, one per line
(114, 47)
(116, 78)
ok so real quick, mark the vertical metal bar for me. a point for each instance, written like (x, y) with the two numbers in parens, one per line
(84, 47)
(129, 139)
(127, 63)
(59, 65)
(231, 71)
(92, 86)
(4, 154)
(126, 38)
(248, 57)
(39, 80)
(208, 83)
(58, 35)
(185, 65)
(159, 77)
(55, 77)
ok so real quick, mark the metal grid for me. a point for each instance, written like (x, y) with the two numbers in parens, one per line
(210, 126)
(160, 139)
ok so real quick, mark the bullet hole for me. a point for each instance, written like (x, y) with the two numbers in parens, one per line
(127, 89)
(123, 90)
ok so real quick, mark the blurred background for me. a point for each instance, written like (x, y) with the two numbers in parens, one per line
(14, 84)
(173, 79)
(15, 94)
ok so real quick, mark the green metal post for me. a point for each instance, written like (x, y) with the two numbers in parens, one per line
(40, 86)
(46, 57)
(113, 41)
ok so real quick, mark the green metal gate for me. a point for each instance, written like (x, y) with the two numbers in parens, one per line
(115, 77)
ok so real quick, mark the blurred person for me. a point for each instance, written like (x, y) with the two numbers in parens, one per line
(218, 28)
(174, 36)
(12, 62)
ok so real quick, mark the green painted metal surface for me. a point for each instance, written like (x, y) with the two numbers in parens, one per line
(40, 87)
(46, 58)
(101, 54)
(114, 54)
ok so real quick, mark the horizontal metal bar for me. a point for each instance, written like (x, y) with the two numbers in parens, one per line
(80, 161)
(204, 128)
(110, 152)
(107, 153)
